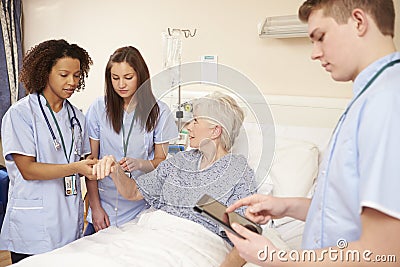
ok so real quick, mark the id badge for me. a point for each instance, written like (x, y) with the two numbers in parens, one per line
(70, 185)
(128, 174)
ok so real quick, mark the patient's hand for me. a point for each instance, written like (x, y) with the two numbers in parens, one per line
(104, 167)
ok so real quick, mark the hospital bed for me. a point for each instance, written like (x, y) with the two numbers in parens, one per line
(303, 126)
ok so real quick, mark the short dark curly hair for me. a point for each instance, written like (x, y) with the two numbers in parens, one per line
(40, 59)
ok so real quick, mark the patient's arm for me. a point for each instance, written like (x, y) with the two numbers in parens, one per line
(233, 259)
(126, 186)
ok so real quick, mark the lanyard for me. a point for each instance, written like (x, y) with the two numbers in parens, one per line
(390, 64)
(56, 144)
(125, 143)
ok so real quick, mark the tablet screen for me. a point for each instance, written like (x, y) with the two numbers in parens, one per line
(215, 210)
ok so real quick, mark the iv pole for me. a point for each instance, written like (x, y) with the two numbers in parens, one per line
(172, 41)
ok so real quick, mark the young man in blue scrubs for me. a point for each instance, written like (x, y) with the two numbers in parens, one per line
(355, 207)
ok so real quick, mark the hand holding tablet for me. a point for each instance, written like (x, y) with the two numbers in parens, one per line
(214, 210)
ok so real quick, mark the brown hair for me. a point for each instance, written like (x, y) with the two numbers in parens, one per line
(40, 59)
(147, 109)
(381, 11)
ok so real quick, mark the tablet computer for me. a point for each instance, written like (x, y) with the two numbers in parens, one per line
(215, 210)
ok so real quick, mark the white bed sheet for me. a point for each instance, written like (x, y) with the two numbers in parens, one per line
(157, 239)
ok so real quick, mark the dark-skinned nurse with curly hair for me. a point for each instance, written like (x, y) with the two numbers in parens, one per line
(44, 141)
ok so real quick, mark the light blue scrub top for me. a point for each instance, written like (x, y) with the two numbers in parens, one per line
(39, 217)
(141, 146)
(361, 167)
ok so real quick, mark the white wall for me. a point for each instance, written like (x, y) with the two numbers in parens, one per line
(225, 28)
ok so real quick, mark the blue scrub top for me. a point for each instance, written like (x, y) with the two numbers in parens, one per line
(141, 146)
(39, 217)
(361, 167)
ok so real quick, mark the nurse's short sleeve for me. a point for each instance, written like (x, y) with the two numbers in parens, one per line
(17, 133)
(379, 150)
(166, 129)
(92, 120)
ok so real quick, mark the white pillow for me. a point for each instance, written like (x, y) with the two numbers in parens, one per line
(293, 174)
(295, 163)
(294, 168)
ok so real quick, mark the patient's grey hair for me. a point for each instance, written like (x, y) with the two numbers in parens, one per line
(221, 109)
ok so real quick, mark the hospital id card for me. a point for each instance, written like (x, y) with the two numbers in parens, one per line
(70, 185)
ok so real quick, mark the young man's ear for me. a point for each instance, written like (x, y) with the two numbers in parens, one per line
(361, 21)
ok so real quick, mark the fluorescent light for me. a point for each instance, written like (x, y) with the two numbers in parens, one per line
(282, 27)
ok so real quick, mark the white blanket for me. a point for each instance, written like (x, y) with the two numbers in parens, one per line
(157, 239)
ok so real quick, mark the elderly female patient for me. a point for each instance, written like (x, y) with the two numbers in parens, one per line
(179, 182)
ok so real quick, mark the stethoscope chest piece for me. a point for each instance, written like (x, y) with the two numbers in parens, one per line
(57, 145)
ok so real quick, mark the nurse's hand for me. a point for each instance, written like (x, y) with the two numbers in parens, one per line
(104, 167)
(254, 247)
(85, 167)
(131, 164)
(100, 219)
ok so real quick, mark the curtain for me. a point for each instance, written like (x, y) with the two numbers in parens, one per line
(10, 54)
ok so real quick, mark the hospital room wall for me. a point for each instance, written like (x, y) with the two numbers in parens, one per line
(224, 28)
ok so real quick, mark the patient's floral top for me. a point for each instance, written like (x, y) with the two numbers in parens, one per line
(177, 184)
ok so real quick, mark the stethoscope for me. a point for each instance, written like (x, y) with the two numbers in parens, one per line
(74, 121)
(335, 133)
(377, 74)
